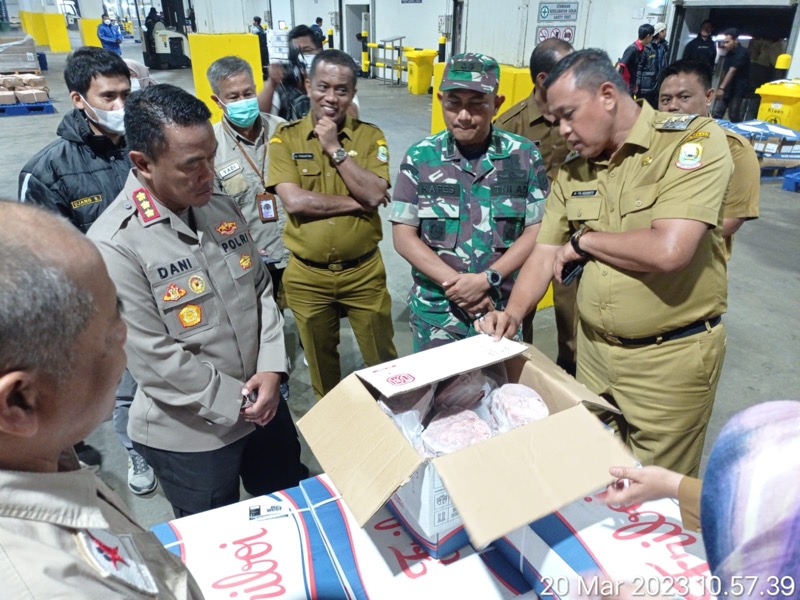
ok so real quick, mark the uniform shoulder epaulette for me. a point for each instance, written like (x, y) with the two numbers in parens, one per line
(675, 123)
(513, 111)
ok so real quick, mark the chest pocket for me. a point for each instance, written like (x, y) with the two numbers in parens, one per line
(310, 174)
(584, 210)
(186, 303)
(508, 220)
(439, 219)
(242, 266)
(235, 185)
(636, 207)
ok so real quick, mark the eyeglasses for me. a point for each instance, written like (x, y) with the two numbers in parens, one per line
(455, 105)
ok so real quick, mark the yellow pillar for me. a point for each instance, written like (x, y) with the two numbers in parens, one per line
(205, 48)
(38, 29)
(88, 29)
(23, 20)
(56, 26)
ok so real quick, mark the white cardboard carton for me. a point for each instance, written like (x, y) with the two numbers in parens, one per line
(496, 486)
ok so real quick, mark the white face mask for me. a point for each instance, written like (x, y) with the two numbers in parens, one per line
(135, 85)
(107, 22)
(110, 120)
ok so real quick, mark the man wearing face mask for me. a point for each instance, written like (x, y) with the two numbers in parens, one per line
(79, 175)
(242, 160)
(109, 35)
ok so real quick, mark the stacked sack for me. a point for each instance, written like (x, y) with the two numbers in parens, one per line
(25, 88)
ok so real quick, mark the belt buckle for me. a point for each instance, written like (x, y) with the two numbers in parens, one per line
(335, 267)
(613, 339)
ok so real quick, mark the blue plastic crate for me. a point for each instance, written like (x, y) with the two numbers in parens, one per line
(791, 181)
(33, 108)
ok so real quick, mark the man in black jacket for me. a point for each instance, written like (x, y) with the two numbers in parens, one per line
(703, 46)
(628, 65)
(78, 176)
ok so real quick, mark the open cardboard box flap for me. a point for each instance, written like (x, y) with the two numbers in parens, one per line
(359, 447)
(511, 480)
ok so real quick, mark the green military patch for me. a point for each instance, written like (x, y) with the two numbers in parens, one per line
(439, 189)
(510, 188)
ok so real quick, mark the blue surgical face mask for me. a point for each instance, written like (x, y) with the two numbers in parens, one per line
(242, 113)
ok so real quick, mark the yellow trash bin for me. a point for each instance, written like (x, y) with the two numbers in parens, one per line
(420, 70)
(780, 103)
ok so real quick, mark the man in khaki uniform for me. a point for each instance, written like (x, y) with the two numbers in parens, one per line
(530, 118)
(204, 330)
(242, 159)
(640, 209)
(63, 532)
(686, 88)
(331, 172)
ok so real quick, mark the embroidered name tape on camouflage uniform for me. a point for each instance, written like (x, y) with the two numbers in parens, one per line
(471, 71)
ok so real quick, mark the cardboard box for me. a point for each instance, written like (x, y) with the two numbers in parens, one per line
(7, 97)
(34, 81)
(29, 95)
(18, 55)
(229, 554)
(495, 486)
(382, 561)
(643, 544)
(11, 82)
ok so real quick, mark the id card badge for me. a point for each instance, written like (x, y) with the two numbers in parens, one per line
(267, 207)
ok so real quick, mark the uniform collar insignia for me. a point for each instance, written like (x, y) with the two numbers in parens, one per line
(116, 557)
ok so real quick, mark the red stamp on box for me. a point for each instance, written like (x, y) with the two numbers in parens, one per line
(401, 379)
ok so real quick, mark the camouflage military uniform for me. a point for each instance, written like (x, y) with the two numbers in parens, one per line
(469, 213)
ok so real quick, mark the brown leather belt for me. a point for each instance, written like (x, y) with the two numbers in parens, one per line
(341, 265)
(680, 332)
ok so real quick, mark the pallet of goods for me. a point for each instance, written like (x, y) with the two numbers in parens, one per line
(24, 94)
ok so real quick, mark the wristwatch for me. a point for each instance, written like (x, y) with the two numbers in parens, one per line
(339, 155)
(575, 241)
(494, 278)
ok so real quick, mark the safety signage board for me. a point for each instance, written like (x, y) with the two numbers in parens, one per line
(566, 33)
(558, 11)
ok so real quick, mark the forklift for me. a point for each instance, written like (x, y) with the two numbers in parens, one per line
(166, 46)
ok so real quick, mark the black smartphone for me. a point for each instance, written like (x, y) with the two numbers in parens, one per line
(571, 272)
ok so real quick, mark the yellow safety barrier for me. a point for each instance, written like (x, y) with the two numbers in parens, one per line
(418, 62)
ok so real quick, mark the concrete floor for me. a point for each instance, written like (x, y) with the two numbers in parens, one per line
(763, 351)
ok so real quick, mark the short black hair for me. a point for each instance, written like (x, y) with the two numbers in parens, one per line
(591, 68)
(709, 21)
(733, 32)
(318, 21)
(645, 30)
(89, 62)
(302, 31)
(335, 57)
(257, 20)
(692, 66)
(546, 54)
(149, 110)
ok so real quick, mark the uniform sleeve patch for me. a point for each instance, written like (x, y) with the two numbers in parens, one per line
(275, 140)
(383, 154)
(690, 157)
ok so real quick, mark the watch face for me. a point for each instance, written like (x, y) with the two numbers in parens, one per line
(494, 277)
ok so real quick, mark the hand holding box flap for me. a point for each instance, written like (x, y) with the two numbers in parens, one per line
(509, 481)
(417, 370)
(359, 447)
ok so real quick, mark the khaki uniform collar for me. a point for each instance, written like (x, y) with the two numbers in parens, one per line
(640, 135)
(67, 499)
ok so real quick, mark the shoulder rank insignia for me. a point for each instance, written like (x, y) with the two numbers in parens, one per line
(245, 262)
(174, 293)
(676, 123)
(226, 228)
(197, 284)
(144, 204)
(190, 315)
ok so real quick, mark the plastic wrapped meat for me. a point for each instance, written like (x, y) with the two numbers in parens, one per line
(514, 405)
(463, 391)
(454, 429)
(408, 411)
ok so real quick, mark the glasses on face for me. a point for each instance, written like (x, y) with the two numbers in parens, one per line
(472, 106)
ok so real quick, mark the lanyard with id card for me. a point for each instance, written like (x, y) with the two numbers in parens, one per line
(266, 203)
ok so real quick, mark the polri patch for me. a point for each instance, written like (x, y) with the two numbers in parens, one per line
(584, 193)
(226, 228)
(690, 157)
(190, 315)
(144, 204)
(245, 262)
(174, 293)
